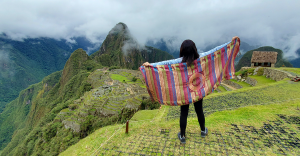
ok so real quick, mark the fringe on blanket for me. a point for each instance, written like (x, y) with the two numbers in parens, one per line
(174, 83)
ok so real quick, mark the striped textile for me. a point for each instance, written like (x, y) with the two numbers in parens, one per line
(173, 83)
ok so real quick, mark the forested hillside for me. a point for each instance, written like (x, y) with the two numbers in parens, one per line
(26, 62)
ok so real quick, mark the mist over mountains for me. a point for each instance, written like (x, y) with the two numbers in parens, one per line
(26, 62)
(39, 112)
(169, 46)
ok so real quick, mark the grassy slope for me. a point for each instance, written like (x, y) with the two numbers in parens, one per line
(127, 79)
(222, 89)
(252, 115)
(243, 84)
(294, 70)
(218, 121)
(262, 80)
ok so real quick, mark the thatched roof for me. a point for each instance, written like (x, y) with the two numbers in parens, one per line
(264, 56)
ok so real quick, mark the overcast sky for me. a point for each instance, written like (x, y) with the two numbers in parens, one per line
(257, 22)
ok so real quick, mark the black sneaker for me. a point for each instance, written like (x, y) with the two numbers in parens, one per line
(182, 139)
(204, 133)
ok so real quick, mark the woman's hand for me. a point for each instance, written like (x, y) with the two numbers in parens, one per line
(146, 64)
(233, 38)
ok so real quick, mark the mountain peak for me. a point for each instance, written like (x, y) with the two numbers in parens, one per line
(120, 27)
(121, 49)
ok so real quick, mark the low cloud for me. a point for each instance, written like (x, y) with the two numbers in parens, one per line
(290, 46)
(6, 65)
(269, 22)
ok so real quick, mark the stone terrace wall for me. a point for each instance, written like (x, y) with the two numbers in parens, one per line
(251, 81)
(230, 83)
(275, 74)
(226, 88)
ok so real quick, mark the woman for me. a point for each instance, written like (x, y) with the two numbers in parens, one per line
(188, 52)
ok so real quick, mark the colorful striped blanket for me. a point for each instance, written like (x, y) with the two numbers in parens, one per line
(173, 83)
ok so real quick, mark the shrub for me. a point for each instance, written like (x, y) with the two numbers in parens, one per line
(148, 104)
(243, 73)
(113, 67)
(250, 71)
(73, 106)
(134, 79)
(89, 68)
(260, 72)
(126, 114)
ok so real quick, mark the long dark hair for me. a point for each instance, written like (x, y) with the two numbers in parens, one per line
(188, 52)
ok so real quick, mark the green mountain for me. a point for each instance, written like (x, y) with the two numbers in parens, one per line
(121, 49)
(245, 61)
(26, 62)
(68, 105)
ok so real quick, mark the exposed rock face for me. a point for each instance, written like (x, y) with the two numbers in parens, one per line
(72, 124)
(275, 74)
(251, 81)
(255, 70)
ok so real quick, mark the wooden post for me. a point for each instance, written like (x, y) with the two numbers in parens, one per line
(127, 122)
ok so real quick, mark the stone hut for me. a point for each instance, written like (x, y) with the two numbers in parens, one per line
(263, 59)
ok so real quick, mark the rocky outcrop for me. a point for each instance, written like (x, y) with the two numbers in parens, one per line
(251, 81)
(72, 124)
(275, 74)
(232, 84)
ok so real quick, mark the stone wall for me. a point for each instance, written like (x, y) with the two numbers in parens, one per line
(275, 74)
(230, 83)
(226, 88)
(251, 81)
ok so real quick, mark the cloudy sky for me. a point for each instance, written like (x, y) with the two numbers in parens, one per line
(257, 22)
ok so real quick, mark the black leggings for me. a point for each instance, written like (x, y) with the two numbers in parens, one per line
(184, 111)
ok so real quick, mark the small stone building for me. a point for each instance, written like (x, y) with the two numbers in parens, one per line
(263, 59)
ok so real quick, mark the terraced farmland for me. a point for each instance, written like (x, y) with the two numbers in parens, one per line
(112, 92)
